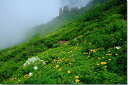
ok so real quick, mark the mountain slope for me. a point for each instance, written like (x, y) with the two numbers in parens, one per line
(89, 50)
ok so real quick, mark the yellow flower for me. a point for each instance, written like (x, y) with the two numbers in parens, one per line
(90, 43)
(54, 60)
(80, 36)
(102, 57)
(77, 80)
(108, 54)
(85, 53)
(109, 51)
(109, 59)
(76, 77)
(93, 50)
(70, 63)
(116, 54)
(97, 64)
(73, 60)
(98, 58)
(12, 79)
(103, 62)
(60, 69)
(105, 66)
(26, 76)
(57, 66)
(69, 71)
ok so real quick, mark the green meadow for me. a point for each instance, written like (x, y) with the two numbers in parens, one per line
(88, 46)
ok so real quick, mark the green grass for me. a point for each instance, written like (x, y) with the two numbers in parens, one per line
(95, 52)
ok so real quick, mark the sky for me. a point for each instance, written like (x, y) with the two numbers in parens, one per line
(17, 17)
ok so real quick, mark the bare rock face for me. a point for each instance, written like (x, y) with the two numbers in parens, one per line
(75, 3)
(60, 11)
(74, 9)
(66, 9)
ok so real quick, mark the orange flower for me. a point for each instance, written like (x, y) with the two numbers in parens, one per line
(57, 66)
(103, 62)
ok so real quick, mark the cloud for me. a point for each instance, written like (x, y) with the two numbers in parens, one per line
(17, 17)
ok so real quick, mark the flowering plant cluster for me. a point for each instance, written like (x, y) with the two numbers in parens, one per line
(32, 60)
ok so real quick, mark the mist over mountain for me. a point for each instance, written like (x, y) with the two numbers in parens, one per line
(75, 3)
(17, 17)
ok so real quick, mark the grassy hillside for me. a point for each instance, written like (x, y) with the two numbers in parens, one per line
(91, 49)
